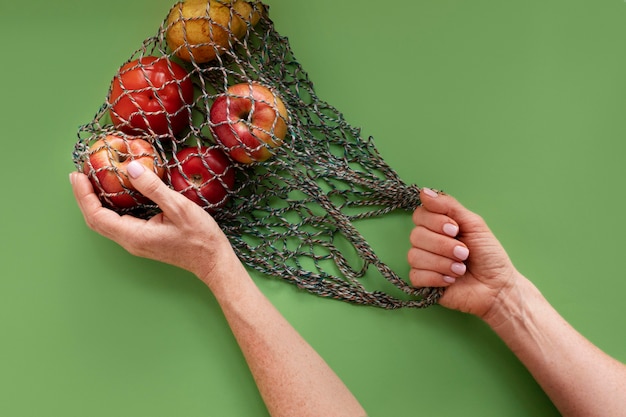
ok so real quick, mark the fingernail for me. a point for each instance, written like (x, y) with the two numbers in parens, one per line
(135, 169)
(458, 268)
(449, 280)
(461, 252)
(451, 229)
(429, 192)
(72, 178)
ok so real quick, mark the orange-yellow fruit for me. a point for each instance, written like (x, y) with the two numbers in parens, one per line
(199, 30)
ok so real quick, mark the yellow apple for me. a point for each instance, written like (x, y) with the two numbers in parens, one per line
(248, 11)
(199, 30)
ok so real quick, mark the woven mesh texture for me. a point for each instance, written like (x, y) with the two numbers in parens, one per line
(291, 216)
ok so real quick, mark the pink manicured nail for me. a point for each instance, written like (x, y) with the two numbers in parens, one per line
(461, 252)
(135, 169)
(458, 268)
(449, 280)
(451, 229)
(429, 192)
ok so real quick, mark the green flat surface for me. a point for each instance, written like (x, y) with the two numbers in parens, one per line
(516, 108)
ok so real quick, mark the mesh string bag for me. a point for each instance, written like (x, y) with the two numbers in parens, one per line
(293, 215)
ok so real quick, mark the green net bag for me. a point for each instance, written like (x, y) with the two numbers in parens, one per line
(217, 105)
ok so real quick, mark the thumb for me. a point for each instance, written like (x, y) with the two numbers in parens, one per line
(151, 186)
(447, 205)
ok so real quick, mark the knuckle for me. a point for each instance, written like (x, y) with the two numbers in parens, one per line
(180, 206)
(479, 219)
(94, 222)
(417, 215)
(416, 236)
(414, 277)
(91, 223)
(446, 247)
(413, 256)
(138, 246)
(421, 278)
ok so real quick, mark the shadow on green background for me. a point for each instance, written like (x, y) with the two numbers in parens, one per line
(515, 108)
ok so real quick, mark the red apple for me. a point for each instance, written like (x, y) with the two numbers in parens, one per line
(204, 175)
(249, 120)
(151, 95)
(106, 168)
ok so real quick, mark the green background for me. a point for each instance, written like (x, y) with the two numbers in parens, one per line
(514, 107)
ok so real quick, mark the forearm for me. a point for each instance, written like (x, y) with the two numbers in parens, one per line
(580, 379)
(292, 378)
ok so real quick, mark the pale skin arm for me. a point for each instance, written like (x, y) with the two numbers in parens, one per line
(292, 378)
(454, 248)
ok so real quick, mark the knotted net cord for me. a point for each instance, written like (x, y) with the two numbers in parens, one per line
(293, 215)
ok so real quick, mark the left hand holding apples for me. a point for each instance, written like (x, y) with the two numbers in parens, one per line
(183, 234)
(292, 377)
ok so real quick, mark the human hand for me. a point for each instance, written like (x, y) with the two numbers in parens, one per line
(183, 234)
(453, 247)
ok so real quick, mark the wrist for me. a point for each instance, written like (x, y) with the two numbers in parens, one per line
(223, 272)
(513, 303)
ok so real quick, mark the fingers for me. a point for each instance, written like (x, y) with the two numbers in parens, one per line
(450, 208)
(173, 204)
(175, 236)
(434, 213)
(98, 218)
(436, 257)
(439, 203)
(440, 266)
(176, 207)
(87, 200)
(437, 243)
(422, 278)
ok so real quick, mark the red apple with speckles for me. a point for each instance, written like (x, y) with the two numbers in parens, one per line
(249, 120)
(151, 95)
(106, 167)
(204, 175)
